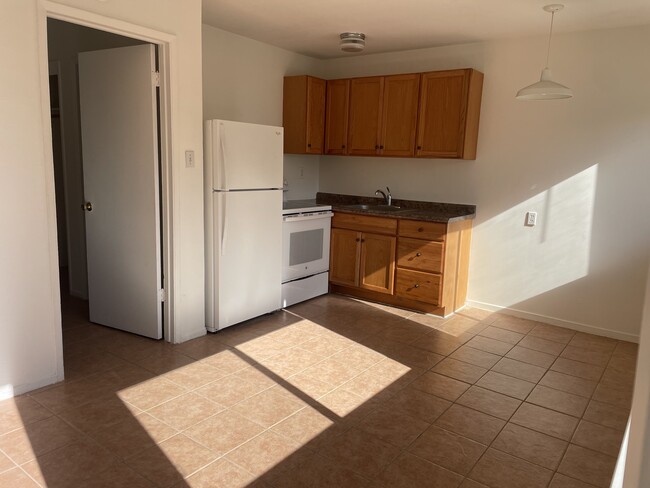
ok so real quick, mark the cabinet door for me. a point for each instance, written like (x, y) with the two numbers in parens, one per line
(366, 96)
(336, 124)
(399, 115)
(443, 111)
(315, 115)
(377, 263)
(344, 257)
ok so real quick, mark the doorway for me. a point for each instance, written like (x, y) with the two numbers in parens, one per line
(92, 257)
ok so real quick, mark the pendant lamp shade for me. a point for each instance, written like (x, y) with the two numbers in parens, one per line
(546, 88)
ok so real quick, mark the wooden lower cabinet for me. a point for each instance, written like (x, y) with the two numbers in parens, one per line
(407, 263)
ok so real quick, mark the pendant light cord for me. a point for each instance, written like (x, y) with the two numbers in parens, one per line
(550, 36)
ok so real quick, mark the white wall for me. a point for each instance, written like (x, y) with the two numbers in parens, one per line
(582, 164)
(65, 41)
(30, 330)
(242, 81)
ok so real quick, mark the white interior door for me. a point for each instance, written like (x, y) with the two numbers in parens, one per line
(120, 164)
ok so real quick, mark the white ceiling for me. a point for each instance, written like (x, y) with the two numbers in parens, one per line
(312, 27)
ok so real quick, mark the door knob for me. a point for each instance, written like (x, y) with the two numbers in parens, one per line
(87, 206)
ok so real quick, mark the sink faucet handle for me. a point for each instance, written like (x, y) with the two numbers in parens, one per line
(389, 197)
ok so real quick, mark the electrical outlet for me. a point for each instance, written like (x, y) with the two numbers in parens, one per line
(189, 159)
(531, 219)
(302, 172)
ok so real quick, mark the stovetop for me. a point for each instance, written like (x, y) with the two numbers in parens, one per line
(303, 206)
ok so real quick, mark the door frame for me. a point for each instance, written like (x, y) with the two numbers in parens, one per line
(169, 130)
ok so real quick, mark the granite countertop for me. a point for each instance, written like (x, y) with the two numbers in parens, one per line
(410, 209)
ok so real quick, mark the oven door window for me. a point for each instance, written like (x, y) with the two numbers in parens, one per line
(306, 246)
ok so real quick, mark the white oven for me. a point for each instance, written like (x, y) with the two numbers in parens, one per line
(305, 252)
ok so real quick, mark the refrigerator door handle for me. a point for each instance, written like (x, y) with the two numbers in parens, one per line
(222, 148)
(224, 223)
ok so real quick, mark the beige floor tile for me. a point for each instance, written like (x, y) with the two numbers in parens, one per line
(359, 356)
(576, 368)
(619, 397)
(476, 357)
(561, 481)
(236, 387)
(608, 415)
(260, 347)
(227, 360)
(478, 314)
(342, 402)
(558, 400)
(263, 452)
(514, 324)
(440, 386)
(5, 463)
(546, 421)
(268, 407)
(195, 375)
(325, 346)
(394, 427)
(20, 411)
(529, 356)
(459, 370)
(531, 446)
(597, 437)
(132, 436)
(37, 438)
(417, 404)
(17, 478)
(507, 385)
(224, 431)
(460, 326)
(409, 471)
(568, 383)
(553, 333)
(307, 425)
(490, 345)
(470, 423)
(438, 343)
(504, 335)
(184, 454)
(598, 358)
(449, 450)
(588, 466)
(332, 372)
(382, 379)
(151, 393)
(497, 468)
(290, 362)
(221, 474)
(309, 386)
(518, 369)
(542, 345)
(185, 410)
(170, 361)
(490, 402)
(201, 348)
(409, 355)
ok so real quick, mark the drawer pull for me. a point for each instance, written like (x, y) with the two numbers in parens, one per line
(357, 239)
(420, 229)
(416, 286)
(418, 254)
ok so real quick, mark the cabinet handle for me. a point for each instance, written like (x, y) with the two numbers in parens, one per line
(357, 239)
(419, 147)
(381, 147)
(308, 145)
(416, 285)
(342, 146)
(420, 229)
(418, 254)
(376, 146)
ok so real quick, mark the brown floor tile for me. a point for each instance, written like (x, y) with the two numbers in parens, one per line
(620, 397)
(546, 421)
(409, 471)
(490, 402)
(507, 385)
(268, 407)
(263, 452)
(552, 333)
(20, 411)
(306, 425)
(260, 347)
(490, 345)
(341, 402)
(613, 378)
(561, 481)
(382, 380)
(576, 368)
(194, 375)
(361, 452)
(151, 393)
(476, 357)
(332, 372)
(497, 468)
(438, 342)
(224, 431)
(409, 355)
(624, 349)
(597, 437)
(417, 404)
(309, 386)
(448, 450)
(470, 423)
(406, 333)
(568, 383)
(394, 427)
(312, 471)
(185, 410)
(227, 361)
(593, 342)
(132, 436)
(441, 386)
(17, 478)
(222, 474)
(588, 466)
(515, 324)
(504, 335)
(359, 356)
(531, 446)
(236, 387)
(478, 314)
(598, 358)
(608, 415)
(529, 356)
(542, 345)
(461, 371)
(468, 483)
(517, 369)
(120, 475)
(98, 414)
(558, 400)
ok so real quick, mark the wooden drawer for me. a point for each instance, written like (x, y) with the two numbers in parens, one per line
(430, 231)
(364, 223)
(416, 285)
(419, 255)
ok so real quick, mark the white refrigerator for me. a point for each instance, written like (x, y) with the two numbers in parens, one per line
(243, 178)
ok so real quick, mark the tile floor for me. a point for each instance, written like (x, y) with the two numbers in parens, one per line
(331, 392)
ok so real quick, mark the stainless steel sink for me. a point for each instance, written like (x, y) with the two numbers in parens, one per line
(384, 208)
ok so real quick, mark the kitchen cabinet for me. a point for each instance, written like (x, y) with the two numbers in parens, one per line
(420, 265)
(336, 116)
(303, 115)
(366, 95)
(449, 113)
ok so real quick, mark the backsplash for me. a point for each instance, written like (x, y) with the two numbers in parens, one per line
(300, 176)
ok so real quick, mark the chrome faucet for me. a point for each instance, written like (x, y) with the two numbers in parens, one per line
(387, 197)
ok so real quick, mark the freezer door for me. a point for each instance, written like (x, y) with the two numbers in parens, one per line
(246, 156)
(247, 255)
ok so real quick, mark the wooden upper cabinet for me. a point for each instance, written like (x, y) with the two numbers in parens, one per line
(450, 103)
(366, 95)
(303, 115)
(399, 115)
(336, 116)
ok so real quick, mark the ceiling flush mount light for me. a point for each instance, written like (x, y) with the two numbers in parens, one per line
(546, 88)
(352, 42)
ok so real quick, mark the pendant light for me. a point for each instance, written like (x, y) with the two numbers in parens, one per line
(546, 88)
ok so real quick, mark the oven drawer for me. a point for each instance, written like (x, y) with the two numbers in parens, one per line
(416, 285)
(419, 255)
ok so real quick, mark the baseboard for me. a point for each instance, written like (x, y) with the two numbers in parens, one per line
(590, 329)
(8, 391)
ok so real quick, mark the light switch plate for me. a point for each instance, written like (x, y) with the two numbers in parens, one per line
(189, 159)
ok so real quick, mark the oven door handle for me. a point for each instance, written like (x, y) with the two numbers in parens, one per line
(300, 218)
